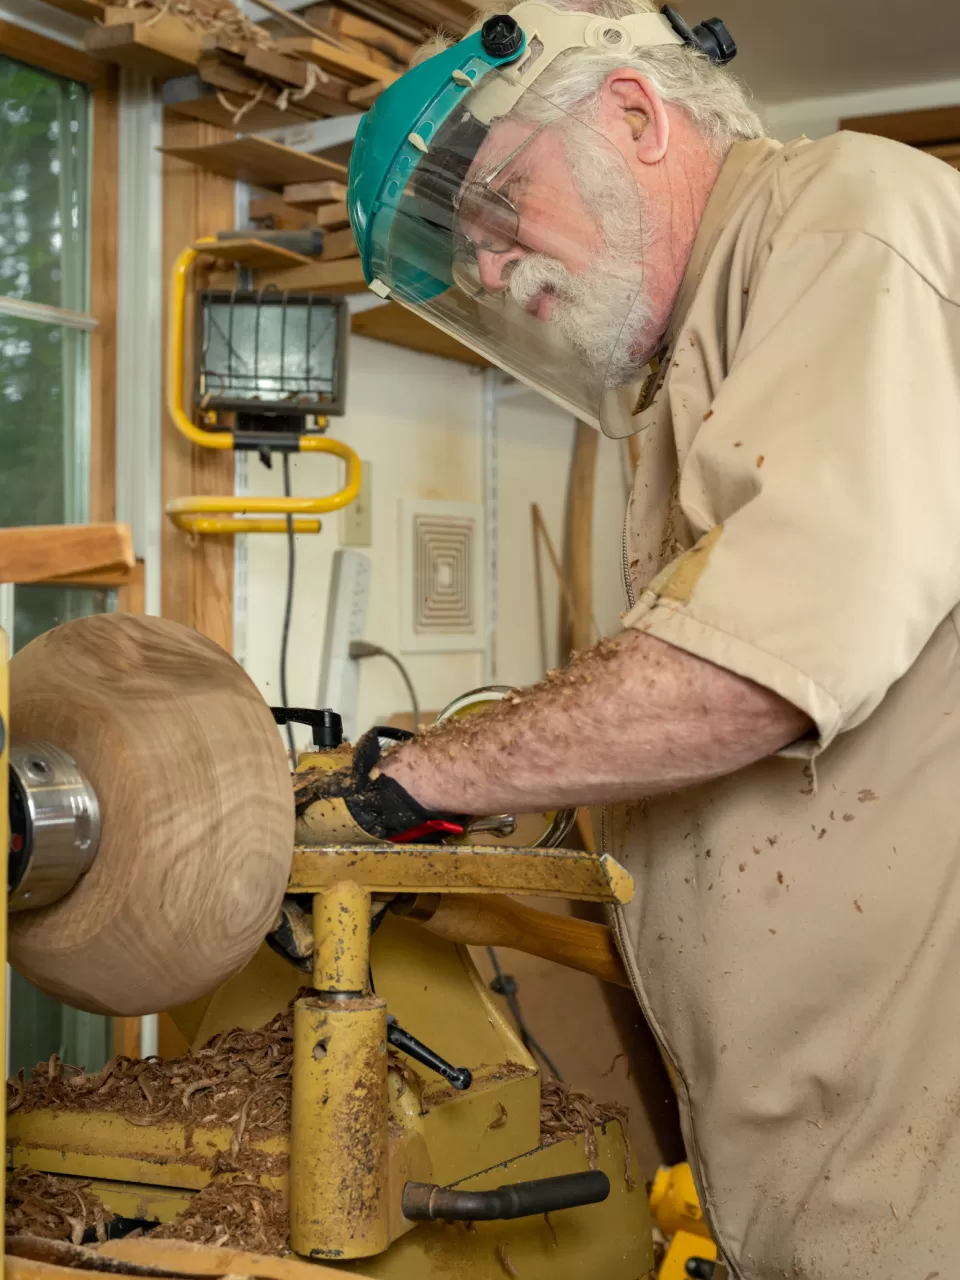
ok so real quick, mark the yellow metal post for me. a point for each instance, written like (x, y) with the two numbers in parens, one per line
(338, 1137)
(341, 931)
(338, 1142)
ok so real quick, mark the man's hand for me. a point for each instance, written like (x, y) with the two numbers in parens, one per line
(632, 717)
(360, 801)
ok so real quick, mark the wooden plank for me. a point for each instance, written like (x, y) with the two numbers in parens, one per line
(331, 215)
(381, 45)
(387, 18)
(198, 574)
(232, 77)
(932, 125)
(338, 244)
(119, 576)
(256, 254)
(259, 161)
(280, 216)
(354, 66)
(50, 55)
(116, 15)
(402, 328)
(308, 195)
(37, 552)
(329, 97)
(164, 49)
(576, 627)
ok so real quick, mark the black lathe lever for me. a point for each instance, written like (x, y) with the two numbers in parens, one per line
(459, 1077)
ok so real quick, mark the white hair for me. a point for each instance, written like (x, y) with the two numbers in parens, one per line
(711, 95)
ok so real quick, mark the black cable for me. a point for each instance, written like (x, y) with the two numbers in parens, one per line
(506, 986)
(363, 649)
(288, 608)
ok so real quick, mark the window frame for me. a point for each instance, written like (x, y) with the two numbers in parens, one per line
(103, 81)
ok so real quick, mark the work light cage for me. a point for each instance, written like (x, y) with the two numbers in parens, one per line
(267, 352)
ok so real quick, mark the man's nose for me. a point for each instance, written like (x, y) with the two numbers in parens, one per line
(495, 267)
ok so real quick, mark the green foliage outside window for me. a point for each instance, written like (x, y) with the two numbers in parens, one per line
(44, 414)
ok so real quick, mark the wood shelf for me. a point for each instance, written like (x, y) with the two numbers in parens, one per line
(259, 161)
(164, 49)
(259, 255)
(402, 328)
(344, 275)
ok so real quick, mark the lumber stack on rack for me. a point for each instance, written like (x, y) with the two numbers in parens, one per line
(282, 73)
(312, 63)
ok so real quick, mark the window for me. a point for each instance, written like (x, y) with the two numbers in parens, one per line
(54, 412)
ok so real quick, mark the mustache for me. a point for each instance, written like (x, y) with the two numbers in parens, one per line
(536, 273)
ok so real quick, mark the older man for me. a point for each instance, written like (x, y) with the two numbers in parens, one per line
(777, 730)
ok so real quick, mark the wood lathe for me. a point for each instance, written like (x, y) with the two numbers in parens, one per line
(349, 1073)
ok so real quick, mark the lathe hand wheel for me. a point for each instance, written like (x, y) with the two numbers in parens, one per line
(196, 813)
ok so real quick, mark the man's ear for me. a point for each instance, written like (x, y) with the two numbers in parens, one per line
(633, 114)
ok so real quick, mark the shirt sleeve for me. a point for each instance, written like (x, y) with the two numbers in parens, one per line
(826, 483)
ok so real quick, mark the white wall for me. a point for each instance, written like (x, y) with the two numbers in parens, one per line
(536, 441)
(817, 117)
(417, 420)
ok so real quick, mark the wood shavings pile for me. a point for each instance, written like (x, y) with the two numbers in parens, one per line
(40, 1204)
(233, 1214)
(240, 1079)
(217, 17)
(568, 1113)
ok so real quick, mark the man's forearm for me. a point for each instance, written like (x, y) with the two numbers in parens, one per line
(632, 717)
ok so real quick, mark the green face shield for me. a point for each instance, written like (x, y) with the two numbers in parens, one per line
(500, 218)
(519, 259)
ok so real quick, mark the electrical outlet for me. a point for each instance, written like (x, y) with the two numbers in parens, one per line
(346, 621)
(356, 521)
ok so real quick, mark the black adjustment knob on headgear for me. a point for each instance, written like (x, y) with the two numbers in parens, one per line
(716, 41)
(710, 36)
(501, 36)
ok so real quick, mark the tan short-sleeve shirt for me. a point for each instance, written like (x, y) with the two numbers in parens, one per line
(795, 937)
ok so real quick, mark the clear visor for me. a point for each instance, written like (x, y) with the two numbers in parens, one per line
(523, 238)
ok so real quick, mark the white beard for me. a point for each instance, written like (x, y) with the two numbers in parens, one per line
(604, 314)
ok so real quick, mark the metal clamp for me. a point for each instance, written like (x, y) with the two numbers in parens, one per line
(54, 825)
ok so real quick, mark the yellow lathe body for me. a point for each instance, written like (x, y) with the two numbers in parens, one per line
(362, 1132)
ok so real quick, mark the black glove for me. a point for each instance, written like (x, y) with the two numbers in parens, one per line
(380, 806)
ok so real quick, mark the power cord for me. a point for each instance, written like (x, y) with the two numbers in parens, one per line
(362, 649)
(505, 985)
(288, 608)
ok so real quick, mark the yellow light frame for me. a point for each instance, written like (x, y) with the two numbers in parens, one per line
(229, 515)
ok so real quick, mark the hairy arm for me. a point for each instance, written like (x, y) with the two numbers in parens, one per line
(631, 717)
